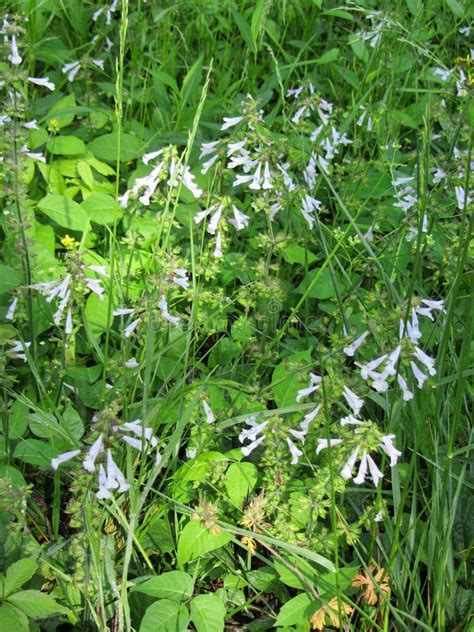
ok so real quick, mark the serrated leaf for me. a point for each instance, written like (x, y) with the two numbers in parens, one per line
(174, 585)
(18, 574)
(36, 604)
(165, 616)
(64, 212)
(293, 612)
(240, 480)
(196, 540)
(208, 613)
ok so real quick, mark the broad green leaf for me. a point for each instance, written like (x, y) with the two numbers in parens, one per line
(102, 208)
(323, 287)
(293, 253)
(174, 585)
(289, 578)
(65, 212)
(64, 111)
(66, 145)
(240, 479)
(10, 279)
(42, 424)
(208, 613)
(17, 420)
(71, 421)
(456, 8)
(35, 452)
(196, 540)
(10, 472)
(109, 146)
(285, 378)
(328, 57)
(36, 604)
(18, 574)
(165, 616)
(293, 612)
(85, 173)
(96, 313)
(12, 619)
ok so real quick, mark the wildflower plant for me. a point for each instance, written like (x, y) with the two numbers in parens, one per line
(234, 316)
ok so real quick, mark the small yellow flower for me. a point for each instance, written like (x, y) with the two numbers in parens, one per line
(69, 242)
(53, 125)
(331, 610)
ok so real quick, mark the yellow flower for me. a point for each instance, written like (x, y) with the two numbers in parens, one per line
(249, 543)
(69, 242)
(331, 610)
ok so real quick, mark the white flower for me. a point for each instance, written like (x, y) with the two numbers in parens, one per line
(246, 450)
(129, 329)
(11, 309)
(462, 196)
(42, 82)
(429, 307)
(375, 473)
(444, 75)
(99, 63)
(210, 419)
(214, 223)
(309, 206)
(387, 446)
(115, 478)
(208, 148)
(307, 419)
(208, 164)
(232, 148)
(103, 492)
(96, 448)
(352, 348)
(326, 443)
(132, 363)
(163, 307)
(14, 56)
(266, 177)
(353, 400)
(140, 431)
(123, 311)
(346, 471)
(181, 278)
(407, 394)
(304, 392)
(419, 375)
(231, 121)
(151, 156)
(62, 458)
(425, 359)
(366, 370)
(295, 452)
(350, 420)
(218, 247)
(71, 69)
(33, 155)
(255, 184)
(31, 124)
(240, 220)
(68, 327)
(254, 430)
(190, 454)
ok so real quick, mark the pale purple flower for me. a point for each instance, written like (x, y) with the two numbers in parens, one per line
(163, 307)
(326, 443)
(387, 446)
(11, 309)
(407, 394)
(63, 458)
(355, 402)
(295, 452)
(14, 56)
(96, 448)
(231, 121)
(44, 81)
(352, 348)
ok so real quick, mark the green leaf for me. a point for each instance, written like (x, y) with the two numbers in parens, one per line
(195, 540)
(323, 287)
(240, 479)
(258, 21)
(35, 452)
(208, 613)
(63, 111)
(85, 173)
(285, 380)
(174, 585)
(18, 574)
(456, 8)
(17, 420)
(12, 619)
(66, 145)
(43, 424)
(165, 616)
(10, 279)
(36, 604)
(106, 147)
(328, 57)
(289, 578)
(102, 208)
(244, 28)
(293, 253)
(191, 82)
(64, 212)
(71, 421)
(293, 612)
(10, 472)
(96, 313)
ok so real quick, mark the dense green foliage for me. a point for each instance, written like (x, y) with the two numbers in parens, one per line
(236, 316)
